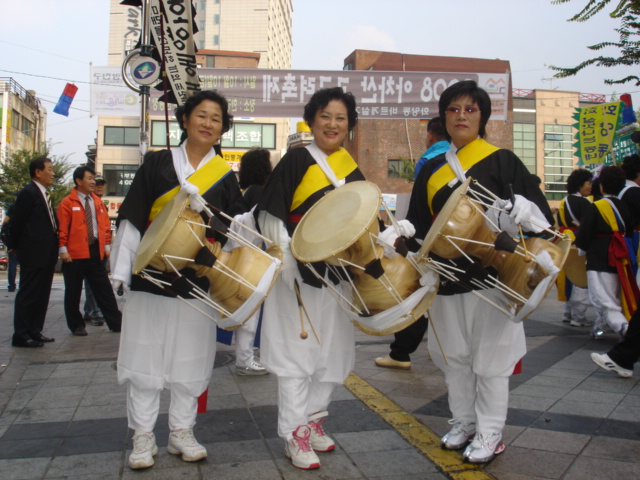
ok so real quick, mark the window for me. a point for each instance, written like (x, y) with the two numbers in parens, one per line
(249, 135)
(558, 159)
(118, 178)
(216, 39)
(401, 168)
(122, 136)
(216, 19)
(524, 144)
(159, 134)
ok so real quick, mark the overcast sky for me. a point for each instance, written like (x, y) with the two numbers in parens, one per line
(46, 43)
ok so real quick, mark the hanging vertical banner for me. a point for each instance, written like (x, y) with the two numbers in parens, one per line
(596, 128)
(177, 44)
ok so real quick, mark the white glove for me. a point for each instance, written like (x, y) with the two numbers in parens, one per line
(196, 201)
(289, 271)
(387, 238)
(524, 213)
(406, 228)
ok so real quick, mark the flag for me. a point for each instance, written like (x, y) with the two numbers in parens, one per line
(62, 107)
(628, 115)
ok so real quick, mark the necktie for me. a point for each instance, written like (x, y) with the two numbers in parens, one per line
(91, 237)
(51, 214)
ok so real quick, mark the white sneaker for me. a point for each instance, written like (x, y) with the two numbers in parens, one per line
(183, 442)
(581, 322)
(604, 361)
(484, 448)
(144, 449)
(320, 441)
(458, 436)
(255, 368)
(299, 449)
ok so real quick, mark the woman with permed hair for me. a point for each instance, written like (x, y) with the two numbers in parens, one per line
(481, 343)
(308, 371)
(165, 343)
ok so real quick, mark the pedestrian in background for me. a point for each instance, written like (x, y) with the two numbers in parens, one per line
(92, 313)
(33, 234)
(85, 242)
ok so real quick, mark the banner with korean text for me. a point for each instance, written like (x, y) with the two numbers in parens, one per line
(596, 126)
(283, 93)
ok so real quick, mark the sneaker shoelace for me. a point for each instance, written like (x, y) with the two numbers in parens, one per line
(142, 442)
(186, 436)
(303, 442)
(317, 427)
(458, 427)
(490, 441)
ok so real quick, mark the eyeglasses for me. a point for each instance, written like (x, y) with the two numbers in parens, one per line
(456, 110)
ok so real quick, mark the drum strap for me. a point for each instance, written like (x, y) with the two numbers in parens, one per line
(469, 155)
(341, 163)
(204, 178)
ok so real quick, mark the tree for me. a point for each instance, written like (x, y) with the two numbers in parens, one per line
(14, 175)
(628, 11)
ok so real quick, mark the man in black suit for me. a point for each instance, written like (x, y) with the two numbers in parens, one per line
(34, 235)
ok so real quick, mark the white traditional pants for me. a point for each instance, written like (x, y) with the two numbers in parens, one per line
(604, 293)
(245, 336)
(165, 343)
(577, 304)
(477, 351)
(299, 398)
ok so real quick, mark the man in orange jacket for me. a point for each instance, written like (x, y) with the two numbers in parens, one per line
(84, 241)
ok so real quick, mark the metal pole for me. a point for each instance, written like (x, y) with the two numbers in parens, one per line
(144, 90)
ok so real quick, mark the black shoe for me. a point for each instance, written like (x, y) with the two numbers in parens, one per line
(43, 339)
(80, 332)
(26, 343)
(97, 321)
(12, 289)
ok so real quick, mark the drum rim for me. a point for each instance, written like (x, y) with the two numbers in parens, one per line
(442, 218)
(296, 239)
(167, 218)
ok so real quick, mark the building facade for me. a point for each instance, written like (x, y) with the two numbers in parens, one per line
(539, 127)
(231, 34)
(23, 120)
(544, 134)
(381, 147)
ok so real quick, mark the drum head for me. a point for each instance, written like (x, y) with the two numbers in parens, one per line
(443, 218)
(336, 221)
(160, 229)
(576, 268)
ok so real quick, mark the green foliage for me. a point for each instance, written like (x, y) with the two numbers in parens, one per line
(628, 11)
(14, 176)
(406, 170)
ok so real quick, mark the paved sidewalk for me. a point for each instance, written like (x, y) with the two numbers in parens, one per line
(62, 413)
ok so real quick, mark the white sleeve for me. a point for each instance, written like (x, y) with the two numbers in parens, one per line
(123, 252)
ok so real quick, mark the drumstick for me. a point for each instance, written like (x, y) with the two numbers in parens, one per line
(301, 307)
(433, 329)
(527, 257)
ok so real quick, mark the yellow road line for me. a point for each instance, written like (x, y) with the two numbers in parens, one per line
(416, 433)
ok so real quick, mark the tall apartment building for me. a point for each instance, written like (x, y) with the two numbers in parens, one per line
(23, 120)
(231, 33)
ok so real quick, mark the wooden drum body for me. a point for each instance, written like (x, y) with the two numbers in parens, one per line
(341, 230)
(461, 229)
(238, 278)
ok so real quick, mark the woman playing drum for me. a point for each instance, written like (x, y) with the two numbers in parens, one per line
(165, 343)
(308, 369)
(480, 345)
